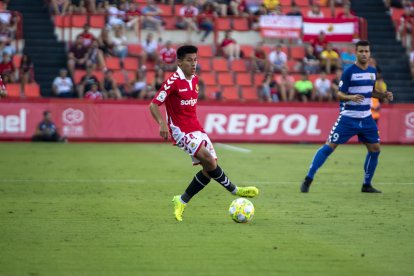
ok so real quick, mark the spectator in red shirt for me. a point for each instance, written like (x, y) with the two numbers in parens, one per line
(86, 36)
(187, 18)
(94, 93)
(77, 56)
(229, 46)
(260, 62)
(168, 57)
(346, 14)
(319, 44)
(7, 69)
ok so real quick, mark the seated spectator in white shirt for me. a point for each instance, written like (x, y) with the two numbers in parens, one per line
(63, 86)
(315, 12)
(278, 59)
(149, 50)
(323, 88)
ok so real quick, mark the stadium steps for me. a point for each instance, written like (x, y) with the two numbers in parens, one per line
(390, 55)
(41, 44)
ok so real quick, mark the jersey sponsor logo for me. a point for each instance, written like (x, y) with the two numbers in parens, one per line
(341, 83)
(183, 90)
(161, 96)
(191, 102)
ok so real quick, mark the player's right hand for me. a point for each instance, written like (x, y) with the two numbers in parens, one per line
(357, 98)
(164, 131)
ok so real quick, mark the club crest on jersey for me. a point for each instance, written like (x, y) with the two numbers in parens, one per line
(372, 76)
(196, 88)
(161, 96)
(192, 145)
(341, 83)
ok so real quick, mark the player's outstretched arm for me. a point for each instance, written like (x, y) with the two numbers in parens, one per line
(156, 114)
(383, 95)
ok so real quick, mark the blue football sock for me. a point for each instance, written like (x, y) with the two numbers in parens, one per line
(370, 165)
(318, 160)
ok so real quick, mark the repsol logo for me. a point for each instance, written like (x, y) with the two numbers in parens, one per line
(292, 124)
(191, 102)
(13, 123)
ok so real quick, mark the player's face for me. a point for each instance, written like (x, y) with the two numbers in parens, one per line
(188, 64)
(363, 53)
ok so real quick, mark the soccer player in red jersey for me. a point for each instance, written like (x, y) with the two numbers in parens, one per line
(179, 93)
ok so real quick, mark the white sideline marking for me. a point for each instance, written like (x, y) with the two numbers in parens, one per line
(156, 181)
(233, 148)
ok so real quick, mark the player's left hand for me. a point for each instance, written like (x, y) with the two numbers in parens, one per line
(389, 95)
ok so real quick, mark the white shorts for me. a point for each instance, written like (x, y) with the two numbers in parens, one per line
(192, 142)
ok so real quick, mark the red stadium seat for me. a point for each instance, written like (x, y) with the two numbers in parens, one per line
(396, 14)
(166, 9)
(170, 22)
(247, 50)
(238, 65)
(32, 90)
(240, 24)
(112, 63)
(209, 78)
(211, 91)
(297, 52)
(16, 60)
(244, 79)
(220, 65)
(205, 64)
(13, 90)
(131, 63)
(134, 49)
(205, 51)
(313, 77)
(78, 20)
(302, 2)
(177, 8)
(223, 24)
(230, 93)
(62, 21)
(287, 3)
(258, 78)
(249, 93)
(225, 79)
(97, 21)
(150, 76)
(122, 77)
(292, 66)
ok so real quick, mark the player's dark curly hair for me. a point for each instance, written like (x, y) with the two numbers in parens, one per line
(186, 49)
(362, 43)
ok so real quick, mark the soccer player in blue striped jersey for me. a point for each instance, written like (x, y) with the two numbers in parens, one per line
(355, 91)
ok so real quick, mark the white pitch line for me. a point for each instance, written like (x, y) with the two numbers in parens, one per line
(233, 148)
(156, 181)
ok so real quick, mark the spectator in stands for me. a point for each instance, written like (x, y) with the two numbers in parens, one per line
(109, 86)
(158, 79)
(5, 33)
(62, 86)
(348, 57)
(120, 43)
(238, 8)
(7, 70)
(59, 7)
(405, 27)
(77, 56)
(86, 82)
(294, 10)
(86, 36)
(152, 17)
(269, 89)
(230, 47)
(94, 93)
(5, 49)
(271, 5)
(187, 18)
(346, 13)
(137, 88)
(319, 44)
(47, 131)
(286, 85)
(115, 15)
(26, 72)
(259, 59)
(335, 84)
(329, 59)
(277, 59)
(96, 57)
(105, 43)
(315, 12)
(311, 64)
(412, 63)
(149, 50)
(206, 19)
(222, 6)
(323, 88)
(80, 8)
(168, 57)
(304, 88)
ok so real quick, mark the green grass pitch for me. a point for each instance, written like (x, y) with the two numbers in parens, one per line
(105, 209)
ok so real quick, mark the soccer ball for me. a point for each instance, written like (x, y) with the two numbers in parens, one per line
(241, 210)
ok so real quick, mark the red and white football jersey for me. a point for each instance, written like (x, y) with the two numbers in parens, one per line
(180, 97)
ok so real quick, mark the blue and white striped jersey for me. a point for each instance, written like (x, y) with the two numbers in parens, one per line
(357, 81)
